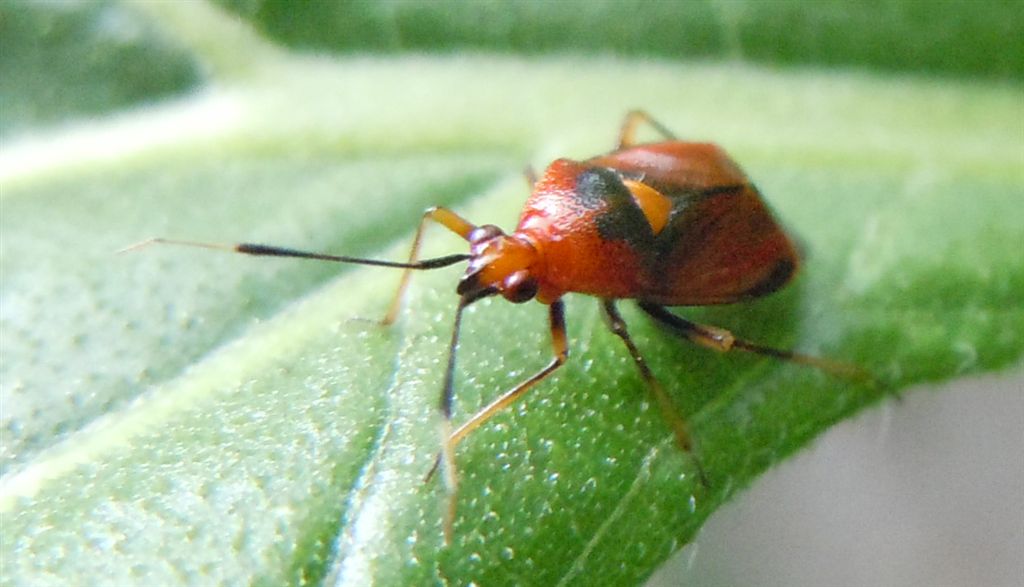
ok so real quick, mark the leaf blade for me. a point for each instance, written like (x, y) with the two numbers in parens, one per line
(545, 480)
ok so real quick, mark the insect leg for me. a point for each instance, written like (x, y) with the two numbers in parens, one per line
(531, 176)
(628, 133)
(668, 409)
(560, 345)
(445, 218)
(722, 340)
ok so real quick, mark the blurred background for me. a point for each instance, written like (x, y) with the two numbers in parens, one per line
(926, 491)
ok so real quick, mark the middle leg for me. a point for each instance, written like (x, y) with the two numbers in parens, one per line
(668, 409)
(627, 134)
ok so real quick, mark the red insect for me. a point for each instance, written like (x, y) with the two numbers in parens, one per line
(671, 223)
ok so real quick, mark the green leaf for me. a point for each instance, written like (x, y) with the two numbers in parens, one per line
(65, 60)
(176, 415)
(958, 37)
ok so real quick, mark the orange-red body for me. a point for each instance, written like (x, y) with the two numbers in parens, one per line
(672, 223)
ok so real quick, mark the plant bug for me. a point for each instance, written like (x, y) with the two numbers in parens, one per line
(669, 223)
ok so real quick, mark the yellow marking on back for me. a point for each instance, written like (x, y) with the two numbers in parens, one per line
(655, 206)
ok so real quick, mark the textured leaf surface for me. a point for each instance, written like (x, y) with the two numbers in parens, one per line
(182, 416)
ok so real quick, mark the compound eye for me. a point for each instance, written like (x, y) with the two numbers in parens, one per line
(519, 287)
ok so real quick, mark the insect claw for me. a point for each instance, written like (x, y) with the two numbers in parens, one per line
(701, 474)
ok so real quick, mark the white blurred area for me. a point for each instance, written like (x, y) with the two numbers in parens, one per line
(924, 492)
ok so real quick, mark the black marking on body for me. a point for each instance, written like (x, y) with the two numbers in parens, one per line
(619, 218)
(780, 276)
(682, 224)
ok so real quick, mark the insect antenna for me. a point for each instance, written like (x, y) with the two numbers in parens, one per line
(272, 251)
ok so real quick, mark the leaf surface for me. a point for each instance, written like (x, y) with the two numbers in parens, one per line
(182, 416)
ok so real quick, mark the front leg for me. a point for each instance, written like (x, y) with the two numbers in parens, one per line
(560, 346)
(445, 218)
